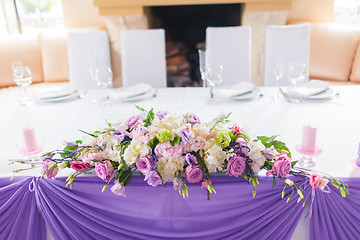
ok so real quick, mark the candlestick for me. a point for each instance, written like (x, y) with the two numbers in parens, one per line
(309, 138)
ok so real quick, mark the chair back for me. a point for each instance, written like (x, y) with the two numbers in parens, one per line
(290, 43)
(231, 48)
(87, 50)
(143, 58)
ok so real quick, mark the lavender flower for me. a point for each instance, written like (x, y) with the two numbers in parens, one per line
(161, 114)
(153, 178)
(270, 153)
(118, 135)
(71, 144)
(190, 159)
(134, 121)
(185, 136)
(192, 119)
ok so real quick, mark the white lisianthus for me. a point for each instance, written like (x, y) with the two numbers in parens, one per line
(214, 158)
(167, 167)
(169, 122)
(88, 140)
(134, 151)
(256, 155)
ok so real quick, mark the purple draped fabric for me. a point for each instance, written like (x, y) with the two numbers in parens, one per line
(19, 216)
(161, 213)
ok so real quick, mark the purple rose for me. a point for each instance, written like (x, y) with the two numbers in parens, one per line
(118, 135)
(190, 159)
(153, 178)
(50, 172)
(236, 166)
(161, 114)
(104, 170)
(185, 136)
(282, 166)
(192, 119)
(118, 189)
(242, 146)
(270, 152)
(193, 173)
(134, 121)
(145, 164)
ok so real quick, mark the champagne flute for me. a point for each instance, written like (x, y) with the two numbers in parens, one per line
(202, 67)
(104, 81)
(279, 70)
(214, 77)
(23, 78)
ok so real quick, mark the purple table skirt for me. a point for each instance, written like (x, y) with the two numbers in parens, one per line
(28, 205)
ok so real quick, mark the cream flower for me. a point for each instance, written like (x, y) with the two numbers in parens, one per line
(256, 155)
(167, 167)
(134, 151)
(169, 122)
(214, 158)
(88, 140)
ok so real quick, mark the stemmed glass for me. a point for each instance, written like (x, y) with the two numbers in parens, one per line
(23, 78)
(296, 73)
(279, 70)
(214, 76)
(202, 67)
(104, 80)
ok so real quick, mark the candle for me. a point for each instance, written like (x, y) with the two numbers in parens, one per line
(309, 138)
(29, 139)
(357, 161)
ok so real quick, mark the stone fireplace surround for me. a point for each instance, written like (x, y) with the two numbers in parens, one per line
(130, 14)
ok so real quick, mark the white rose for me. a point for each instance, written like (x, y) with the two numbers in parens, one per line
(256, 155)
(214, 158)
(134, 151)
(88, 140)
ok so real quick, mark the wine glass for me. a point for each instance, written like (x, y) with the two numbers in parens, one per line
(202, 67)
(214, 76)
(279, 70)
(23, 78)
(15, 65)
(104, 80)
(296, 73)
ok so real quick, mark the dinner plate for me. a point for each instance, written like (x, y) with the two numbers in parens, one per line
(57, 95)
(246, 96)
(329, 93)
(240, 91)
(64, 98)
(138, 97)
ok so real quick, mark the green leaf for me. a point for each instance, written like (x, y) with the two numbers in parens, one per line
(125, 177)
(343, 193)
(271, 139)
(177, 139)
(78, 142)
(274, 181)
(154, 142)
(263, 140)
(293, 163)
(90, 134)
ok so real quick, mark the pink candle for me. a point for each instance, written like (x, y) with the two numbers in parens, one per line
(309, 138)
(357, 161)
(29, 139)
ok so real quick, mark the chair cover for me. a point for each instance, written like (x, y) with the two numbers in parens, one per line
(143, 57)
(290, 43)
(87, 49)
(231, 48)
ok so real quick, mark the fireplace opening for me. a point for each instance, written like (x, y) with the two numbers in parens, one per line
(185, 33)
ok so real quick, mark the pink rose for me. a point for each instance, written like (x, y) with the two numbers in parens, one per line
(236, 166)
(167, 151)
(317, 182)
(79, 166)
(144, 164)
(92, 155)
(282, 166)
(206, 183)
(104, 170)
(118, 189)
(49, 173)
(236, 129)
(196, 143)
(244, 147)
(194, 173)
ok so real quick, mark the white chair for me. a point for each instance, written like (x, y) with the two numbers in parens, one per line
(231, 48)
(87, 49)
(143, 58)
(290, 43)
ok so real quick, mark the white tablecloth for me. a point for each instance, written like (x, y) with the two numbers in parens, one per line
(337, 121)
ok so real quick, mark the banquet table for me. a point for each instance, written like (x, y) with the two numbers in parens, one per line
(30, 207)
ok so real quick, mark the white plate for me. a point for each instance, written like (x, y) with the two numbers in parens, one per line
(247, 96)
(71, 96)
(325, 95)
(138, 97)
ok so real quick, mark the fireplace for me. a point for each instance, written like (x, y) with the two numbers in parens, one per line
(185, 33)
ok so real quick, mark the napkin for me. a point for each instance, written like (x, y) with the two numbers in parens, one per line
(132, 91)
(53, 93)
(231, 91)
(309, 89)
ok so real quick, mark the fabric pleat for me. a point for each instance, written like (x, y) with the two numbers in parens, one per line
(28, 205)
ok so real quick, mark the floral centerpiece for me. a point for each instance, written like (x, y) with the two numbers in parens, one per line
(181, 149)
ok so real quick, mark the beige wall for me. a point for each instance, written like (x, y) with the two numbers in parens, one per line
(311, 11)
